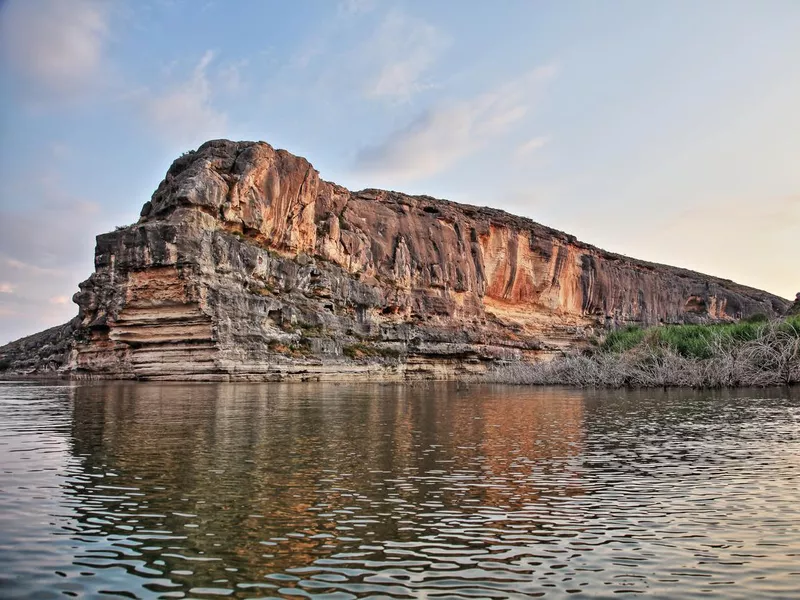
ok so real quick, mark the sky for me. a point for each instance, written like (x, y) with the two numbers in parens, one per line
(667, 131)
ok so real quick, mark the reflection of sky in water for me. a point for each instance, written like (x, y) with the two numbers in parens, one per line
(410, 490)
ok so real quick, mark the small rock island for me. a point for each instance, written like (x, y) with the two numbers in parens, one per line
(245, 265)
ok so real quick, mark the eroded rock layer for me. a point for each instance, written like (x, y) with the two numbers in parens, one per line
(246, 265)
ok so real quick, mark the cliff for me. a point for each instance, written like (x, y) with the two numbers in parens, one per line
(246, 265)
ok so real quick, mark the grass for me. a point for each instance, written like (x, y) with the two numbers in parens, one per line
(691, 341)
(747, 353)
(623, 340)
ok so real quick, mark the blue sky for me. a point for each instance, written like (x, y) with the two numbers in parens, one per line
(666, 131)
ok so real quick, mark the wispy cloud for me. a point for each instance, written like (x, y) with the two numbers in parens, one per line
(45, 251)
(354, 7)
(532, 145)
(232, 80)
(364, 52)
(402, 49)
(59, 150)
(184, 112)
(57, 46)
(8, 265)
(443, 135)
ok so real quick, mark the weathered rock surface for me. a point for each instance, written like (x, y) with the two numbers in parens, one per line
(794, 309)
(246, 265)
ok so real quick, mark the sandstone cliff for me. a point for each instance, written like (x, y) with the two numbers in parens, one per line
(246, 265)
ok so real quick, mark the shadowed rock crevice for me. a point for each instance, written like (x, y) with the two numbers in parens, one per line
(246, 265)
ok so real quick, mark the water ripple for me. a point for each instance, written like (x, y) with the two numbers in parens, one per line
(239, 491)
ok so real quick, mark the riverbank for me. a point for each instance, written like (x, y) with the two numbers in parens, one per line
(754, 353)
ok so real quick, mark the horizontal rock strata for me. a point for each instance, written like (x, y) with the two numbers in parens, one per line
(246, 265)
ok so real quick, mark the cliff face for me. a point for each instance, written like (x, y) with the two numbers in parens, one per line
(245, 265)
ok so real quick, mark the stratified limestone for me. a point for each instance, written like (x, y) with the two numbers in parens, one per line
(245, 265)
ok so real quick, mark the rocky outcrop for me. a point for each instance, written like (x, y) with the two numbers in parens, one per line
(246, 265)
(46, 352)
(794, 309)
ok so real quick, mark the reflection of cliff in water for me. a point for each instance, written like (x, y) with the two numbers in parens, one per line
(264, 476)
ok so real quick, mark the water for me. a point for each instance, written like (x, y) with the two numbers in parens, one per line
(416, 491)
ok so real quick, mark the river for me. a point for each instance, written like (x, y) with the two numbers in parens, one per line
(162, 490)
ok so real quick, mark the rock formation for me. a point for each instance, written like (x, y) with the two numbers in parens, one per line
(246, 265)
(794, 309)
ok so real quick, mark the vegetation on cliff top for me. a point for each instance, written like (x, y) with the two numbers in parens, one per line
(756, 352)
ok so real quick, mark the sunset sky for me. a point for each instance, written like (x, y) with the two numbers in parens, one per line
(667, 131)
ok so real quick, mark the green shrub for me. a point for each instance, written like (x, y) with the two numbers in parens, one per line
(691, 341)
(756, 318)
(791, 325)
(623, 340)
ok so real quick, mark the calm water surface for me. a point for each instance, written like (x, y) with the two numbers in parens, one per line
(416, 491)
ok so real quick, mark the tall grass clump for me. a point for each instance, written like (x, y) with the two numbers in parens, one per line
(624, 339)
(747, 353)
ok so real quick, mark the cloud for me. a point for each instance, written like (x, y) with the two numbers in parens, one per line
(29, 307)
(59, 150)
(7, 263)
(402, 48)
(57, 46)
(443, 135)
(44, 236)
(45, 242)
(46, 249)
(230, 78)
(390, 63)
(354, 7)
(184, 113)
(532, 145)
